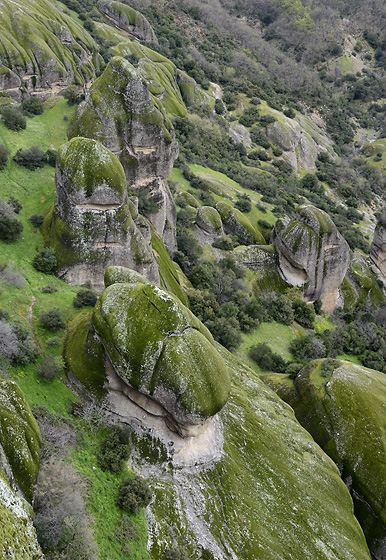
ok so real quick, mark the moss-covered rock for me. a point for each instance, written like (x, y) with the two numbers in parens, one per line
(91, 226)
(17, 534)
(122, 275)
(19, 438)
(313, 254)
(343, 409)
(42, 48)
(120, 112)
(128, 19)
(209, 220)
(187, 198)
(273, 494)
(161, 349)
(235, 223)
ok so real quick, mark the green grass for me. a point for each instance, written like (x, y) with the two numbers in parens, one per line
(277, 336)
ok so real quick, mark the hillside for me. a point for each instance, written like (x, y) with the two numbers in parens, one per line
(192, 272)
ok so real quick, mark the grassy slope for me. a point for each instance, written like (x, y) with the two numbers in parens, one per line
(36, 190)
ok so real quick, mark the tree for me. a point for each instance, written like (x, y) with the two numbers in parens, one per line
(266, 359)
(32, 158)
(114, 450)
(45, 261)
(10, 225)
(304, 314)
(73, 95)
(134, 494)
(32, 106)
(13, 118)
(48, 368)
(3, 156)
(219, 107)
(52, 320)
(85, 298)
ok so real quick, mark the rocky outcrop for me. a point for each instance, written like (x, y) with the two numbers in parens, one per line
(342, 406)
(209, 221)
(378, 250)
(128, 19)
(19, 463)
(158, 354)
(313, 254)
(300, 149)
(235, 223)
(93, 223)
(53, 53)
(120, 113)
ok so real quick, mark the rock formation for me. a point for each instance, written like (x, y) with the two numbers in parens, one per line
(93, 223)
(128, 19)
(235, 223)
(378, 250)
(120, 113)
(55, 51)
(19, 463)
(343, 409)
(158, 354)
(313, 254)
(209, 221)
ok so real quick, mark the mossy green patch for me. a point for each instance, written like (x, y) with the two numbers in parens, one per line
(120, 274)
(19, 436)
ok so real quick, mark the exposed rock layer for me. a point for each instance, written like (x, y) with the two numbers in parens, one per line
(378, 250)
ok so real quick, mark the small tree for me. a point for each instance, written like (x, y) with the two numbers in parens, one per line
(32, 158)
(73, 95)
(32, 106)
(114, 450)
(85, 298)
(36, 220)
(13, 118)
(3, 156)
(52, 320)
(15, 204)
(134, 494)
(10, 225)
(45, 261)
(48, 368)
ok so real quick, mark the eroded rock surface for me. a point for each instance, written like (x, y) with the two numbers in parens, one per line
(313, 254)
(93, 224)
(128, 19)
(378, 250)
(120, 113)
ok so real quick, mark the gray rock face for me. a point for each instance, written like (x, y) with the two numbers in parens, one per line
(378, 250)
(313, 254)
(300, 149)
(128, 19)
(209, 221)
(93, 224)
(120, 112)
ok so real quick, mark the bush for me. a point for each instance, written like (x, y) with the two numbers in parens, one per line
(85, 298)
(244, 204)
(51, 157)
(3, 156)
(15, 204)
(49, 289)
(52, 320)
(266, 359)
(73, 95)
(114, 451)
(281, 310)
(134, 494)
(36, 220)
(304, 314)
(219, 107)
(45, 261)
(48, 368)
(10, 225)
(13, 118)
(32, 106)
(177, 553)
(31, 158)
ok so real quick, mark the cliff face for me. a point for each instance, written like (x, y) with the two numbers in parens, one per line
(378, 250)
(313, 254)
(126, 18)
(93, 224)
(42, 50)
(120, 113)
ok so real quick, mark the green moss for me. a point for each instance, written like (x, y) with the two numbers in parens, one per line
(188, 198)
(120, 274)
(88, 165)
(84, 355)
(169, 274)
(210, 216)
(318, 220)
(237, 224)
(19, 436)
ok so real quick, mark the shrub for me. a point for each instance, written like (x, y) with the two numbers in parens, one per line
(31, 158)
(281, 310)
(10, 225)
(244, 204)
(49, 289)
(114, 450)
(52, 320)
(32, 106)
(48, 368)
(13, 118)
(304, 314)
(73, 95)
(266, 359)
(53, 341)
(85, 298)
(45, 261)
(15, 204)
(51, 157)
(36, 220)
(3, 156)
(177, 553)
(14, 277)
(134, 494)
(290, 113)
(293, 369)
(219, 107)
(8, 341)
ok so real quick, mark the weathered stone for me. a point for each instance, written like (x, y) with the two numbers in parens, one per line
(378, 250)
(209, 221)
(313, 254)
(235, 223)
(160, 350)
(93, 224)
(120, 113)
(128, 19)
